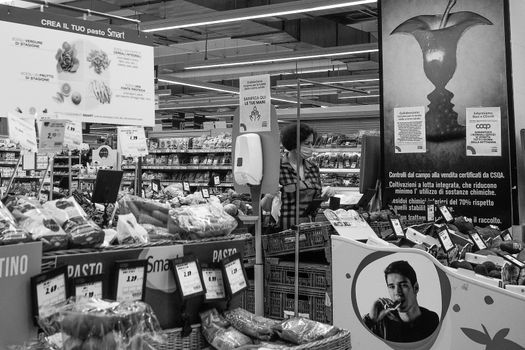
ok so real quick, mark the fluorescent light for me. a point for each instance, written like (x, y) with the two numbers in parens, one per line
(330, 82)
(200, 106)
(205, 87)
(356, 96)
(263, 15)
(301, 71)
(282, 59)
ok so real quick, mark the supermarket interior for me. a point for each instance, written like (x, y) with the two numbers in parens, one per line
(262, 174)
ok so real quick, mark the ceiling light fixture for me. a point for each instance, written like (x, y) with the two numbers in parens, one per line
(205, 87)
(283, 59)
(356, 96)
(263, 15)
(330, 82)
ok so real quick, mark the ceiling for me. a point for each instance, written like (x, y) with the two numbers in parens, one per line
(198, 64)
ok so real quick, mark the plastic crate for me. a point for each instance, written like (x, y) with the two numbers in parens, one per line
(311, 237)
(383, 228)
(248, 297)
(313, 304)
(317, 276)
(249, 247)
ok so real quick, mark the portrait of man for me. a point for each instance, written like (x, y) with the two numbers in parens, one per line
(400, 318)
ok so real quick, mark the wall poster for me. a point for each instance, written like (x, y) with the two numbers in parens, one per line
(57, 67)
(450, 57)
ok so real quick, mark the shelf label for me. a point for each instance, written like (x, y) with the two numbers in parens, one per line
(132, 141)
(49, 289)
(73, 135)
(216, 180)
(235, 277)
(155, 185)
(395, 223)
(205, 192)
(505, 235)
(189, 278)
(186, 186)
(431, 211)
(446, 213)
(478, 241)
(214, 284)
(131, 280)
(445, 240)
(52, 136)
(89, 290)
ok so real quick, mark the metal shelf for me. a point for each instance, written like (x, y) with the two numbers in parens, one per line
(340, 171)
(213, 150)
(339, 149)
(180, 167)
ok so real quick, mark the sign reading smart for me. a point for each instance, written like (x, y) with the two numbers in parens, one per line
(63, 68)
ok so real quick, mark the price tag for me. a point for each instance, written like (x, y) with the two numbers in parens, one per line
(205, 193)
(47, 290)
(520, 264)
(216, 180)
(132, 141)
(131, 280)
(395, 223)
(186, 186)
(353, 165)
(73, 135)
(88, 287)
(445, 240)
(155, 185)
(505, 235)
(446, 213)
(214, 284)
(478, 241)
(431, 211)
(52, 136)
(234, 274)
(188, 277)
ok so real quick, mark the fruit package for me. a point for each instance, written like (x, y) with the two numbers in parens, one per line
(10, 233)
(146, 211)
(202, 220)
(129, 231)
(84, 233)
(218, 332)
(39, 222)
(250, 324)
(96, 324)
(299, 330)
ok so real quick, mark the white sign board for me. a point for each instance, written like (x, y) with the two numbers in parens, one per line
(132, 141)
(483, 131)
(73, 135)
(22, 131)
(409, 130)
(65, 68)
(254, 102)
(52, 136)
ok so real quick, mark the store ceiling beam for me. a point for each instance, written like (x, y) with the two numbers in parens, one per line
(337, 112)
(268, 12)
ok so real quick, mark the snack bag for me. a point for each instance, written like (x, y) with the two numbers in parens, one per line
(36, 220)
(84, 233)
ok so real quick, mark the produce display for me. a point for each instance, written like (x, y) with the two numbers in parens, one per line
(239, 328)
(96, 324)
(340, 180)
(337, 160)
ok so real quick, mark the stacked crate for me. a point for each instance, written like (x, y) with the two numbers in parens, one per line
(315, 273)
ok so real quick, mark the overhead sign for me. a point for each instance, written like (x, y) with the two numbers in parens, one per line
(65, 68)
(132, 141)
(254, 102)
(22, 131)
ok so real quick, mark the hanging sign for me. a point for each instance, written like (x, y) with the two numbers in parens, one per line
(52, 136)
(254, 102)
(73, 135)
(132, 141)
(22, 131)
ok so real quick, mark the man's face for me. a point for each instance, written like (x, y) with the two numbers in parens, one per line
(402, 290)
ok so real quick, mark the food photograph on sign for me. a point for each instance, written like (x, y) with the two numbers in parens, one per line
(400, 297)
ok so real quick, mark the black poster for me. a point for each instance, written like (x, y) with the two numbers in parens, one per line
(445, 119)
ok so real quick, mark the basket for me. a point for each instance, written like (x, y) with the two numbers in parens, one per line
(248, 297)
(174, 340)
(313, 304)
(339, 341)
(313, 236)
(317, 276)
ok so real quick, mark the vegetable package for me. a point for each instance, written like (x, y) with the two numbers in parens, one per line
(145, 211)
(201, 221)
(299, 330)
(88, 323)
(10, 233)
(36, 220)
(218, 332)
(84, 233)
(255, 326)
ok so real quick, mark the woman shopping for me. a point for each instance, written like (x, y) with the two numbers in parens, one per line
(310, 180)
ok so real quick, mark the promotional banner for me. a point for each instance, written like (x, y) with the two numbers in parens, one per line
(83, 71)
(454, 311)
(18, 263)
(445, 108)
(255, 103)
(22, 131)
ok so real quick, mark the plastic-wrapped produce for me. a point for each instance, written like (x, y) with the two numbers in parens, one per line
(89, 323)
(217, 331)
(201, 221)
(129, 231)
(300, 330)
(36, 220)
(84, 233)
(248, 323)
(146, 211)
(10, 233)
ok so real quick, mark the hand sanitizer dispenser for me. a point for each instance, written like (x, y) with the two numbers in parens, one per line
(248, 167)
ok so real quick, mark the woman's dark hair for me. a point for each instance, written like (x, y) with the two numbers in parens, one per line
(403, 268)
(289, 135)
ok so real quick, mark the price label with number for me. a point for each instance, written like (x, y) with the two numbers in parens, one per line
(132, 141)
(445, 240)
(186, 186)
(235, 276)
(205, 193)
(131, 280)
(52, 136)
(431, 211)
(189, 278)
(478, 241)
(214, 284)
(505, 235)
(155, 185)
(446, 213)
(89, 290)
(396, 226)
(216, 180)
(49, 289)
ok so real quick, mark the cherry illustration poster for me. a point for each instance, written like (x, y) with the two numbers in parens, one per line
(448, 58)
